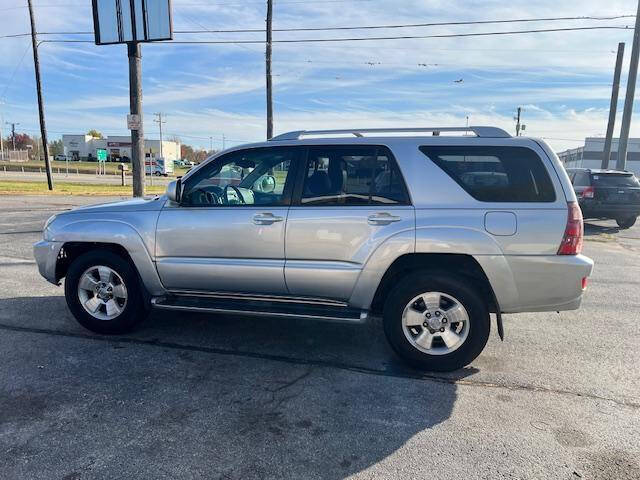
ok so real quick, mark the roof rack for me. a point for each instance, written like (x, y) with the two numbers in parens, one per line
(483, 132)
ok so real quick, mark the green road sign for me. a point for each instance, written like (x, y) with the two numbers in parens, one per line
(101, 153)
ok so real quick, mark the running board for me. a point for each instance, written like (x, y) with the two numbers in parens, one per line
(260, 307)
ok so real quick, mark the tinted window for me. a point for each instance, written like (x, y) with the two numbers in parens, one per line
(246, 177)
(357, 175)
(582, 179)
(495, 174)
(612, 180)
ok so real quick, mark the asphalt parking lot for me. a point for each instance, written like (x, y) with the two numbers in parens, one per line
(197, 396)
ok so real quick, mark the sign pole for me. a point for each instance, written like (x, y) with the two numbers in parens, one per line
(135, 101)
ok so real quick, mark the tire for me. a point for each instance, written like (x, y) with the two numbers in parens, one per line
(626, 222)
(119, 317)
(452, 291)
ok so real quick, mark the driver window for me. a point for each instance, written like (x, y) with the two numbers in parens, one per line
(247, 177)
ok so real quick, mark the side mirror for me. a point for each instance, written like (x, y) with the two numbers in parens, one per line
(266, 184)
(173, 191)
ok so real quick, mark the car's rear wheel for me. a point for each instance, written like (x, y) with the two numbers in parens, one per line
(436, 321)
(626, 222)
(103, 293)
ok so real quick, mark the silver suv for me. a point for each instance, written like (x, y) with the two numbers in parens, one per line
(433, 229)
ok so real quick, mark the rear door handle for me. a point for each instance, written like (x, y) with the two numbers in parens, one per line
(382, 218)
(266, 218)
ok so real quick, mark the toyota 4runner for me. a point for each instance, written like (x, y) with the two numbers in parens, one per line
(433, 229)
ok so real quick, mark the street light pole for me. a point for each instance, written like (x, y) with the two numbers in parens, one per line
(43, 127)
(613, 107)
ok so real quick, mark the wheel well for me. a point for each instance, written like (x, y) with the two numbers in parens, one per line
(464, 265)
(72, 250)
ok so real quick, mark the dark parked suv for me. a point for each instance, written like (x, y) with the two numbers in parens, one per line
(607, 194)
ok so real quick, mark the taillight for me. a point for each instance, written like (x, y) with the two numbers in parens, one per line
(589, 192)
(573, 233)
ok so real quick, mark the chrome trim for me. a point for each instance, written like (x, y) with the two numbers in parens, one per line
(261, 298)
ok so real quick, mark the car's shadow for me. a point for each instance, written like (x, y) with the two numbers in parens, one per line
(272, 398)
(591, 229)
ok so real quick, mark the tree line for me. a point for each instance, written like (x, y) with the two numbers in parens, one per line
(33, 144)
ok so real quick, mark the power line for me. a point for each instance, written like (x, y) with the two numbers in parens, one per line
(403, 37)
(366, 27)
(409, 25)
(13, 74)
(361, 39)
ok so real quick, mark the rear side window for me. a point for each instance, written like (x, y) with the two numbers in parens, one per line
(495, 174)
(352, 175)
(582, 179)
(613, 180)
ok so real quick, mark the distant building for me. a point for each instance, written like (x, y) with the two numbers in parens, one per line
(83, 147)
(591, 155)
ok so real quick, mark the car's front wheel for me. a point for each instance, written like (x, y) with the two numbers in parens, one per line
(103, 293)
(626, 222)
(436, 321)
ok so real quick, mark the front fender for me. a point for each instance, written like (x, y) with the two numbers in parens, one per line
(115, 232)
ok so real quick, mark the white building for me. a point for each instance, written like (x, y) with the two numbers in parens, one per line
(83, 147)
(590, 156)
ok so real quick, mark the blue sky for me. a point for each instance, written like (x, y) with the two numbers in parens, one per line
(562, 80)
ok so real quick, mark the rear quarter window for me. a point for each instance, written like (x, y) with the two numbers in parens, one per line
(495, 174)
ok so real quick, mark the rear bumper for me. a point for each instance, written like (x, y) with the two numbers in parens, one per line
(549, 282)
(46, 254)
(608, 210)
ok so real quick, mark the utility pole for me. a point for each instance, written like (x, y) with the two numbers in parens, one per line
(135, 103)
(210, 144)
(159, 121)
(517, 118)
(43, 127)
(268, 70)
(613, 109)
(13, 134)
(1, 139)
(623, 145)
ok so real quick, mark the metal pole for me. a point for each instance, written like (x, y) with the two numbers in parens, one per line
(160, 127)
(1, 139)
(135, 101)
(623, 145)
(43, 127)
(13, 136)
(268, 70)
(613, 109)
(518, 121)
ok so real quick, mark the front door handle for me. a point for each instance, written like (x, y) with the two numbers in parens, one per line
(382, 218)
(266, 218)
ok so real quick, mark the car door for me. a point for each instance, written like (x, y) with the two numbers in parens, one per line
(349, 200)
(227, 232)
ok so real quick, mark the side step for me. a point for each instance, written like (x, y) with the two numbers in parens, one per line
(260, 307)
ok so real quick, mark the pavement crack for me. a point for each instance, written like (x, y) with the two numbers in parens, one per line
(291, 383)
(395, 373)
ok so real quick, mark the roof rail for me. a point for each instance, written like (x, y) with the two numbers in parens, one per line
(484, 132)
